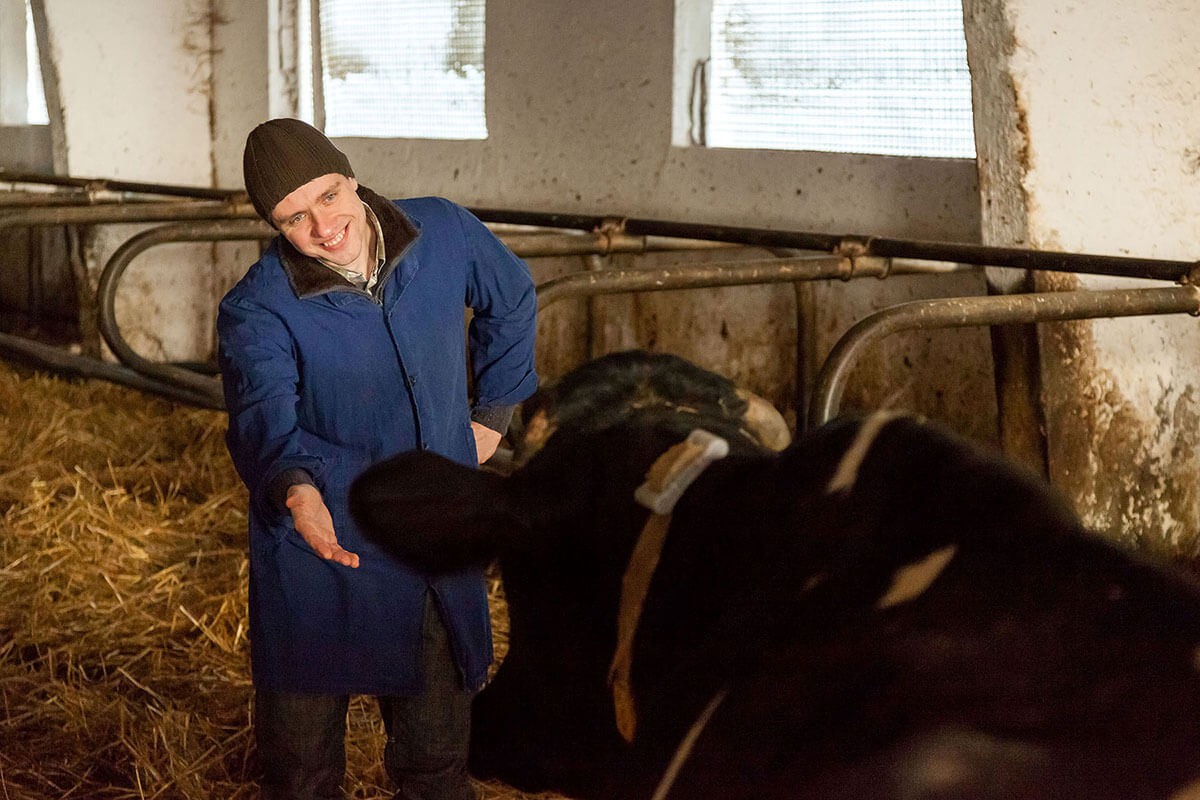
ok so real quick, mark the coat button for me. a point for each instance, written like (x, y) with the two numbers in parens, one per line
(412, 380)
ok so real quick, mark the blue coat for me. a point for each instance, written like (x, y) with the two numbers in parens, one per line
(322, 377)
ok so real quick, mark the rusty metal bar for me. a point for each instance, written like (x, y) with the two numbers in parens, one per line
(45, 356)
(700, 276)
(14, 200)
(106, 184)
(735, 273)
(960, 312)
(525, 243)
(252, 229)
(547, 245)
(106, 293)
(979, 255)
(118, 213)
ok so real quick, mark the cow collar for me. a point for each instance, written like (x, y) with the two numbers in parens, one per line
(666, 481)
(309, 277)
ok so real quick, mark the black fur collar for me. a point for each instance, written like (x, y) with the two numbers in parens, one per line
(310, 277)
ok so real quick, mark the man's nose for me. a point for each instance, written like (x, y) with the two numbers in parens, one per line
(323, 223)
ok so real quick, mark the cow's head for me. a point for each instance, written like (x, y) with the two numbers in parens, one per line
(562, 526)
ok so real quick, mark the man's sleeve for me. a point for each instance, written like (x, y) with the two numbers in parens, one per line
(259, 377)
(501, 334)
(497, 418)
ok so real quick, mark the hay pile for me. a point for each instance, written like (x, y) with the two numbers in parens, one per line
(123, 655)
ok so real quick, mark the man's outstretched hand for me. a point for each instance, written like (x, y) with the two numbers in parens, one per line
(313, 522)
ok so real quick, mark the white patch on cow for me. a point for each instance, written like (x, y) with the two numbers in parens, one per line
(911, 580)
(956, 762)
(847, 470)
(814, 581)
(685, 747)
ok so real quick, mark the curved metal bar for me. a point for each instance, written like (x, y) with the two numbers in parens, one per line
(979, 255)
(252, 229)
(106, 293)
(45, 356)
(962, 312)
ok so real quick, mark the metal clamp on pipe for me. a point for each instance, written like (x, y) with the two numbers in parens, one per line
(1193, 277)
(608, 228)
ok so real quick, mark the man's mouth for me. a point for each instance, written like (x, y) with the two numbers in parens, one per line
(335, 241)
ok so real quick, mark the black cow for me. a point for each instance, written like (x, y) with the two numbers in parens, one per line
(880, 611)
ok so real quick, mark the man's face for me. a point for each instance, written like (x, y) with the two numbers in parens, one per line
(325, 219)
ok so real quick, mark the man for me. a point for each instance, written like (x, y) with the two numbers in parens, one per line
(343, 345)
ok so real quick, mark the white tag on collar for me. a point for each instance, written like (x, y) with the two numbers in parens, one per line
(675, 470)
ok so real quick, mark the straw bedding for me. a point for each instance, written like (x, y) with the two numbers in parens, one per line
(123, 653)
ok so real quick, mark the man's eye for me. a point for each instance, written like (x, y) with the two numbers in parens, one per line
(329, 197)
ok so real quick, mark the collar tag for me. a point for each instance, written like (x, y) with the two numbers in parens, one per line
(675, 470)
(669, 476)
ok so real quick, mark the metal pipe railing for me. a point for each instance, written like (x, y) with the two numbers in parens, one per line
(57, 360)
(579, 284)
(959, 312)
(853, 244)
(123, 213)
(255, 229)
(735, 273)
(850, 244)
(106, 293)
(15, 200)
(232, 221)
(111, 185)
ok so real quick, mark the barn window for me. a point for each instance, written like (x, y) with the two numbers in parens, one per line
(393, 68)
(855, 76)
(22, 99)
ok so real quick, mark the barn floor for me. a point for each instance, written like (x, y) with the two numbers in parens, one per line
(123, 654)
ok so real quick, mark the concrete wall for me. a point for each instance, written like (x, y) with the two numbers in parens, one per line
(132, 91)
(1095, 147)
(580, 109)
(1087, 138)
(580, 120)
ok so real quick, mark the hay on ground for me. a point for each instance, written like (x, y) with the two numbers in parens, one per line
(124, 665)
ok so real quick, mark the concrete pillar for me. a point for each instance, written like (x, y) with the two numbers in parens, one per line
(160, 91)
(1088, 141)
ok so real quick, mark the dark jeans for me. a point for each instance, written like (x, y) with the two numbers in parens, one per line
(301, 737)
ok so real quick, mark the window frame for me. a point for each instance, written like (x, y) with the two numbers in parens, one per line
(310, 102)
(692, 82)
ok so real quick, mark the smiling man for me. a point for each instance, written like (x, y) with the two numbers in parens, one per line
(342, 346)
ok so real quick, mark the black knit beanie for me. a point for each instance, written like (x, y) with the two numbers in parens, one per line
(281, 156)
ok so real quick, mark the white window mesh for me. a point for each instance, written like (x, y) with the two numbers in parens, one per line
(403, 68)
(859, 76)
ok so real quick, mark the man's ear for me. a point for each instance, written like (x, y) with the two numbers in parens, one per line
(353, 183)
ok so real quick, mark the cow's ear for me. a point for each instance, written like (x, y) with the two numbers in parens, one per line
(431, 512)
